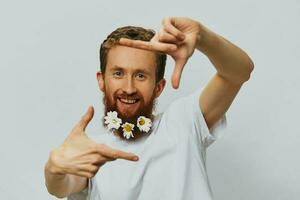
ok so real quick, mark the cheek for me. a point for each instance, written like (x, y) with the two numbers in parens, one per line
(110, 85)
(109, 90)
(148, 94)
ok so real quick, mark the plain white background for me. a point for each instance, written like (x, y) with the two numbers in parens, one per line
(49, 58)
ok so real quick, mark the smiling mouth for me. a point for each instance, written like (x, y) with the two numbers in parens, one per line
(128, 101)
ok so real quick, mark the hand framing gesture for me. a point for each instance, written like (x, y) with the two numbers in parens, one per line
(81, 156)
(178, 37)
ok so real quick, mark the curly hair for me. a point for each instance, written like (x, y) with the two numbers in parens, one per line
(135, 33)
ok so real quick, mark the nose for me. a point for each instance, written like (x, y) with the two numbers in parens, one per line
(129, 86)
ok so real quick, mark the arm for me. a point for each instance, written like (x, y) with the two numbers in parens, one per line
(79, 158)
(233, 67)
(62, 185)
(179, 37)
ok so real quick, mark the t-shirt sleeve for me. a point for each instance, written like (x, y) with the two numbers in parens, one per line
(186, 110)
(208, 135)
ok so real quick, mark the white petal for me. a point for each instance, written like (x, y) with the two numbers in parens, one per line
(110, 126)
(109, 114)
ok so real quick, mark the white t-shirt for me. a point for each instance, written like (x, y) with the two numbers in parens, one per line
(171, 162)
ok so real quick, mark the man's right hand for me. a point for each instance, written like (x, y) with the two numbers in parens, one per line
(81, 156)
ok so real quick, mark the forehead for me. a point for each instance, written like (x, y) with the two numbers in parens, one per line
(131, 59)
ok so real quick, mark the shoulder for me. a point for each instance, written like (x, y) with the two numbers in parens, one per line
(185, 104)
(183, 110)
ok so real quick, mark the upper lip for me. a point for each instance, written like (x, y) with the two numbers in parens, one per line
(128, 98)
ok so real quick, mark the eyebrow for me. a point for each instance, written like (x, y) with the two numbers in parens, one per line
(116, 67)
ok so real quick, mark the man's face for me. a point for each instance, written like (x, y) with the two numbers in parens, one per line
(129, 83)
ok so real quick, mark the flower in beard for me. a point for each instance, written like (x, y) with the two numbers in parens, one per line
(127, 130)
(144, 124)
(128, 115)
(112, 120)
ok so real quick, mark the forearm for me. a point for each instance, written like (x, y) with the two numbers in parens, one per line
(231, 62)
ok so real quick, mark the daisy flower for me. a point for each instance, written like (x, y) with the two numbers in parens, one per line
(127, 130)
(144, 123)
(112, 120)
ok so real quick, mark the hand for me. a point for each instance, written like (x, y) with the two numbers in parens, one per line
(80, 156)
(177, 37)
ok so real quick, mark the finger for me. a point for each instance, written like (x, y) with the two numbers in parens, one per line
(86, 174)
(98, 159)
(166, 37)
(115, 153)
(90, 168)
(86, 118)
(169, 26)
(179, 65)
(152, 46)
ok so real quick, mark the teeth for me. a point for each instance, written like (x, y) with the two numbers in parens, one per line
(128, 100)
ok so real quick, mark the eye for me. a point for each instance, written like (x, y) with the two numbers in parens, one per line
(117, 74)
(140, 76)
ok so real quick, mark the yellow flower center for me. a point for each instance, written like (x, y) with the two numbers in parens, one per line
(127, 128)
(142, 122)
(114, 121)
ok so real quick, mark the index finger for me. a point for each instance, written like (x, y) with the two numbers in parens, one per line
(115, 153)
(152, 46)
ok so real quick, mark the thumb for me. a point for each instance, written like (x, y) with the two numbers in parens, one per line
(86, 118)
(179, 65)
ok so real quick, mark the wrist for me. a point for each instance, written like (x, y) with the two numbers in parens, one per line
(205, 38)
(56, 183)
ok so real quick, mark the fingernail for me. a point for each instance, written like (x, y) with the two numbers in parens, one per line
(136, 158)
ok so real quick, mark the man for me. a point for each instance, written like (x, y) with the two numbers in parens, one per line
(169, 148)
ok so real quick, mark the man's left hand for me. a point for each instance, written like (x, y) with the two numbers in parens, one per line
(178, 37)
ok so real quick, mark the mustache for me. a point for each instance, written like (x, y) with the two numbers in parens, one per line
(127, 96)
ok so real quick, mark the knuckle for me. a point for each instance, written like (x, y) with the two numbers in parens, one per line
(96, 170)
(93, 147)
(93, 169)
(177, 33)
(114, 155)
(90, 175)
(54, 157)
(95, 159)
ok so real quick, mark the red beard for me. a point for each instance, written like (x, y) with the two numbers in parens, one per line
(143, 110)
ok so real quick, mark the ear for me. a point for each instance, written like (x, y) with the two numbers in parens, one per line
(100, 79)
(160, 87)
